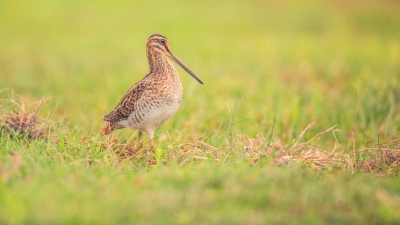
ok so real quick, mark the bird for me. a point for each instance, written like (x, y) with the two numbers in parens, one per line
(154, 99)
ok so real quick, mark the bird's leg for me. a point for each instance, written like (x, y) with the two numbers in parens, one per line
(150, 152)
(139, 137)
(150, 134)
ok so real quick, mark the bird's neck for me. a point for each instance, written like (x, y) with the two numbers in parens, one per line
(158, 63)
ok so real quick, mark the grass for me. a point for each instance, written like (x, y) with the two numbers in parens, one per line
(298, 120)
(198, 194)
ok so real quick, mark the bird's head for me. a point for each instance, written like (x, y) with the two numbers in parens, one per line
(160, 44)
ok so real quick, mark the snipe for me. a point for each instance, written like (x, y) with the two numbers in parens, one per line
(155, 98)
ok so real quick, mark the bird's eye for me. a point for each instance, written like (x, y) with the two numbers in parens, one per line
(162, 41)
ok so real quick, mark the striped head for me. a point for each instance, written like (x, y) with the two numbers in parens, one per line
(160, 44)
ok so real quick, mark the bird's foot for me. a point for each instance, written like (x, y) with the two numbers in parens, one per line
(139, 146)
(149, 145)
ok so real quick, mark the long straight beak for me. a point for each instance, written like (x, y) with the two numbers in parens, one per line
(184, 67)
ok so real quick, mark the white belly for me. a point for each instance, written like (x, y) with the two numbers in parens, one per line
(158, 115)
(151, 117)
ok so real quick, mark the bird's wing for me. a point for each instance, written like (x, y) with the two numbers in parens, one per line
(128, 103)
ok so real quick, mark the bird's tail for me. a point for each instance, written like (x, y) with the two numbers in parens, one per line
(110, 127)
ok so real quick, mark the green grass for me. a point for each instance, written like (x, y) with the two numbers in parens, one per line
(270, 69)
(197, 194)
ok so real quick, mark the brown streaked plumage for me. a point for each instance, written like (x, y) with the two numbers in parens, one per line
(155, 98)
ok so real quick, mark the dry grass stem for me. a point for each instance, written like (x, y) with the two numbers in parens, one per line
(19, 121)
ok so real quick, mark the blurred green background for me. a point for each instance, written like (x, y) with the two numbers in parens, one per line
(260, 60)
(269, 67)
